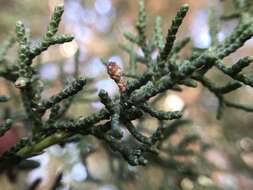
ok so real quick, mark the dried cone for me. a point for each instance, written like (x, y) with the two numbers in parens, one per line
(115, 73)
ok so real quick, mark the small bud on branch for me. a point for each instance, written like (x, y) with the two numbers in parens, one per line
(116, 74)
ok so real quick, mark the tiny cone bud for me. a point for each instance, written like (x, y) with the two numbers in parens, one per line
(115, 73)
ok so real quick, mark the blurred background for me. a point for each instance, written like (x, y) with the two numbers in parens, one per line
(98, 26)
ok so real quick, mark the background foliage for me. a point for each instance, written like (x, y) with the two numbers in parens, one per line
(98, 27)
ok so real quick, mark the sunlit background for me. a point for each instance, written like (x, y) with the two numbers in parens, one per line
(98, 26)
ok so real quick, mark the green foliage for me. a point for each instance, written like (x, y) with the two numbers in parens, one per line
(166, 72)
(72, 88)
(171, 36)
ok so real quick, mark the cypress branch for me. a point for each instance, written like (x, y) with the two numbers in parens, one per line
(133, 100)
(238, 77)
(158, 35)
(54, 23)
(25, 71)
(141, 24)
(73, 88)
(57, 39)
(240, 65)
(180, 45)
(236, 40)
(161, 115)
(114, 109)
(138, 82)
(131, 37)
(171, 36)
(51, 38)
(132, 129)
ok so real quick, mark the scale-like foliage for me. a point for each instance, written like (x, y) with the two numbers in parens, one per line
(166, 72)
